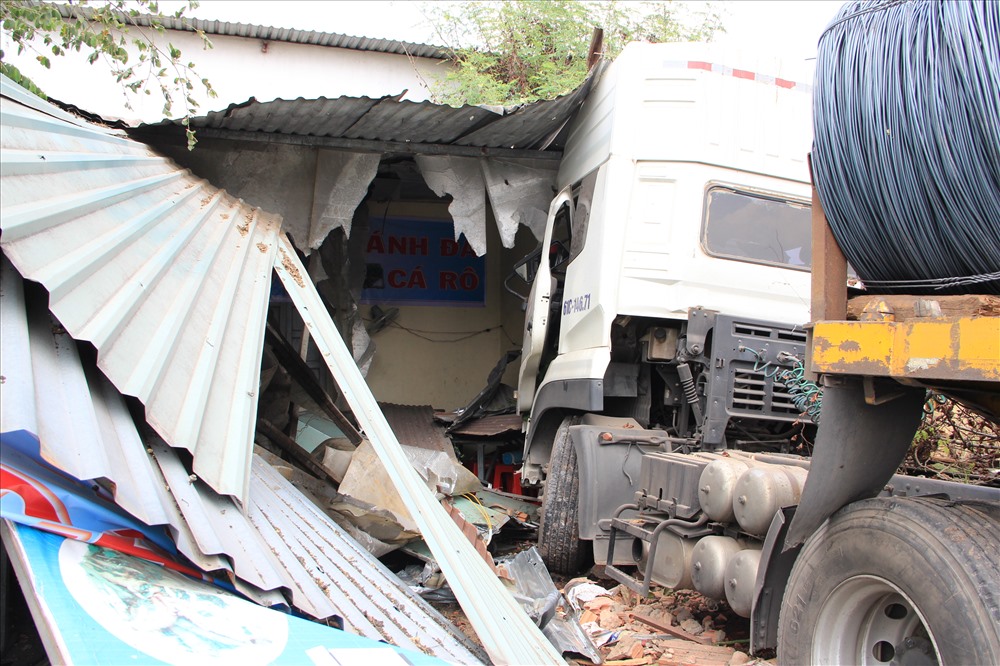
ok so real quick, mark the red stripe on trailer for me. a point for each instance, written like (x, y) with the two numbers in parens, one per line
(743, 74)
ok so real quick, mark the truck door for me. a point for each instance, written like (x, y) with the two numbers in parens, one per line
(538, 313)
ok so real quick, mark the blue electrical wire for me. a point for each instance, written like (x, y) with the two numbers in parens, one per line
(906, 154)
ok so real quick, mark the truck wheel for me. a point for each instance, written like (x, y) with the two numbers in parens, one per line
(901, 581)
(559, 529)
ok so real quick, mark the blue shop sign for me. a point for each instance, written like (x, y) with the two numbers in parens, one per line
(419, 262)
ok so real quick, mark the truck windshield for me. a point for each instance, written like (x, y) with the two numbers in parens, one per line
(757, 228)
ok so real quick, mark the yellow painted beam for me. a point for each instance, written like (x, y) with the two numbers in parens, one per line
(953, 349)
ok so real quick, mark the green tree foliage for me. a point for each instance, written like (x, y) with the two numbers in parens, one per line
(15, 75)
(524, 50)
(123, 33)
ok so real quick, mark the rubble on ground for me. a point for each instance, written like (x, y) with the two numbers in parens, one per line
(664, 628)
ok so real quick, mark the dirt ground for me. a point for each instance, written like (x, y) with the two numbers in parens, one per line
(665, 628)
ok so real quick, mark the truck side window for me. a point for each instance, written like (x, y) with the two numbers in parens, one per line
(757, 228)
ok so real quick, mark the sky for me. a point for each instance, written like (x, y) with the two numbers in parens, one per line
(789, 28)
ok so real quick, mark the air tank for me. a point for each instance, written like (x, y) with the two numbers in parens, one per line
(716, 484)
(741, 577)
(761, 491)
(709, 559)
(672, 561)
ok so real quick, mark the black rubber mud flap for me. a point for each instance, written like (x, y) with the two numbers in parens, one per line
(858, 448)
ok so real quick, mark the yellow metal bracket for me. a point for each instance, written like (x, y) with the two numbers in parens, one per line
(952, 349)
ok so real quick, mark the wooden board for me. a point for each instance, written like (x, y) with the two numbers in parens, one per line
(905, 307)
(692, 653)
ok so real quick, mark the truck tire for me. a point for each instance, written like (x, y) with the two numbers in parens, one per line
(904, 581)
(559, 541)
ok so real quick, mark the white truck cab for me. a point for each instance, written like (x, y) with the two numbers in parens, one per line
(683, 209)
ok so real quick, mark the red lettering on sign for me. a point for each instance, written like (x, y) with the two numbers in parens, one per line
(375, 244)
(397, 278)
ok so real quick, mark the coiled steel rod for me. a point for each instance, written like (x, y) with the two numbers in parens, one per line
(906, 155)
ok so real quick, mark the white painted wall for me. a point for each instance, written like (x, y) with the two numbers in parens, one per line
(238, 68)
(446, 355)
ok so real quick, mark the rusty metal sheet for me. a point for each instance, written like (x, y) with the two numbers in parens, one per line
(490, 426)
(414, 425)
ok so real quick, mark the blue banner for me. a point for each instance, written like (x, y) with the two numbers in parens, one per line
(418, 262)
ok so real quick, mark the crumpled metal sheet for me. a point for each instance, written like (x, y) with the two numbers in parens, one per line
(342, 180)
(540, 598)
(64, 400)
(459, 177)
(166, 275)
(520, 192)
(81, 422)
(429, 449)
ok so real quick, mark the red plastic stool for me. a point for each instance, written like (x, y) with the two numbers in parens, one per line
(507, 478)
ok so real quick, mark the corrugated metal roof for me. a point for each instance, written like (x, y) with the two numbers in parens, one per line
(389, 119)
(283, 542)
(166, 275)
(532, 125)
(384, 119)
(263, 32)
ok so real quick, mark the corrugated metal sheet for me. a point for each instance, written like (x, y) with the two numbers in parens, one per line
(81, 421)
(263, 32)
(490, 426)
(373, 602)
(491, 609)
(389, 119)
(284, 544)
(166, 275)
(414, 426)
(45, 391)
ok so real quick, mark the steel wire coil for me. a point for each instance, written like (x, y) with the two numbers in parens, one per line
(906, 153)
